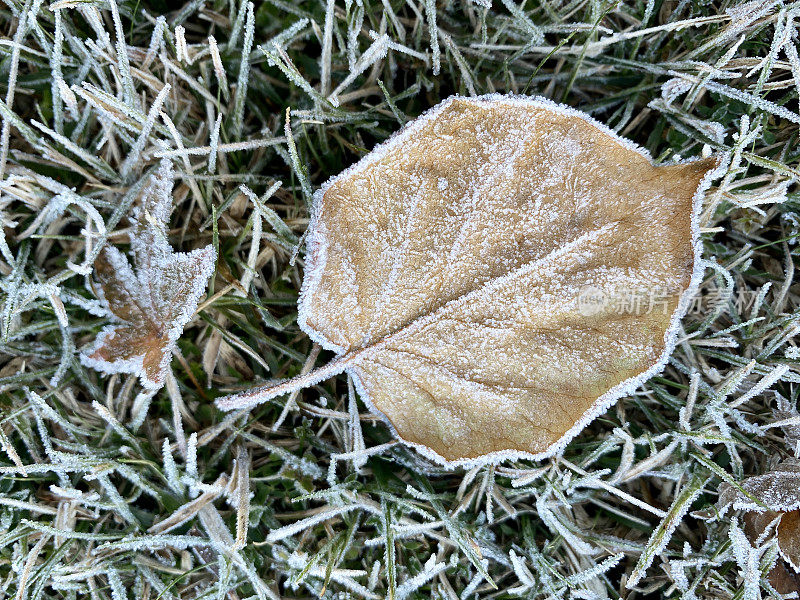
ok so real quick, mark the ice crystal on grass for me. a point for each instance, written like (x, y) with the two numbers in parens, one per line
(80, 455)
(152, 300)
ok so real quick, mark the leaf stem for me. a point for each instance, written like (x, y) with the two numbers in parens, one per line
(261, 394)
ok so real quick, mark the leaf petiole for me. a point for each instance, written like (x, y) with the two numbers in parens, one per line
(281, 387)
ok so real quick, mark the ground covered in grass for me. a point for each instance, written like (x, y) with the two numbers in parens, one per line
(109, 491)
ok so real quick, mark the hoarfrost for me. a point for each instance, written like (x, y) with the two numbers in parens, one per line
(456, 291)
(153, 301)
(430, 570)
(747, 558)
(778, 490)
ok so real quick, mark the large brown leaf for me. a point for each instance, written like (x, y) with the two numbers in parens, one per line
(479, 274)
(152, 303)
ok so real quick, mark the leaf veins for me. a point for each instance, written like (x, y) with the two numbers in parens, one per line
(497, 274)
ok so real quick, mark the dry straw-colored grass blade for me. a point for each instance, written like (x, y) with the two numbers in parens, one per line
(497, 274)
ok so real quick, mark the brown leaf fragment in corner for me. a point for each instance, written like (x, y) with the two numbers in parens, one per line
(765, 498)
(782, 576)
(777, 490)
(152, 302)
(789, 538)
(497, 274)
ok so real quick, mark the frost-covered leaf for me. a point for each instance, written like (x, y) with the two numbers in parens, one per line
(152, 301)
(789, 417)
(771, 500)
(497, 274)
(778, 490)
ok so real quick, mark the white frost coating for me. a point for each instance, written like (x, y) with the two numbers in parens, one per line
(277, 535)
(317, 254)
(317, 244)
(165, 286)
(777, 490)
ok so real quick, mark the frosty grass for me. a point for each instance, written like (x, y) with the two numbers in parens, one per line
(109, 491)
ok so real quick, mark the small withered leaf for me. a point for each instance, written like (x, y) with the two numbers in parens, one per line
(152, 302)
(784, 580)
(789, 538)
(778, 491)
(497, 274)
(775, 495)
